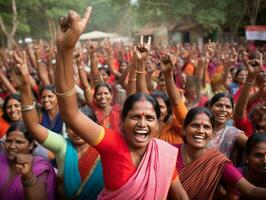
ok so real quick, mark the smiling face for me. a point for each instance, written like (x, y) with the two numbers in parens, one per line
(241, 77)
(103, 97)
(13, 110)
(222, 110)
(257, 158)
(199, 131)
(163, 108)
(16, 143)
(49, 100)
(140, 125)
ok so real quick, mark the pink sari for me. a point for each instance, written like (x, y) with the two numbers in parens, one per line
(153, 176)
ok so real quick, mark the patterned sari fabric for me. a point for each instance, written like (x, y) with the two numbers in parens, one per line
(200, 177)
(15, 188)
(153, 176)
(83, 178)
(224, 140)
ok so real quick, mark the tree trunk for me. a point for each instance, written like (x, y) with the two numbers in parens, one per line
(10, 35)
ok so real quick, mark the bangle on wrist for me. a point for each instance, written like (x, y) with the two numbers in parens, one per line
(132, 80)
(88, 88)
(140, 72)
(29, 182)
(250, 83)
(80, 67)
(39, 60)
(25, 108)
(169, 81)
(66, 94)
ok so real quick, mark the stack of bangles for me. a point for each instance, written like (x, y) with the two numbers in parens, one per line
(66, 94)
(25, 108)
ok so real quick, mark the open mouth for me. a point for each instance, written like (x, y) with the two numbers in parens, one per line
(199, 138)
(141, 135)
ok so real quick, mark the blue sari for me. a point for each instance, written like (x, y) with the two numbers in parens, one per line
(73, 186)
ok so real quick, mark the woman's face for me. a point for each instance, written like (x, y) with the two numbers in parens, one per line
(259, 117)
(163, 108)
(161, 83)
(103, 97)
(16, 143)
(140, 125)
(222, 110)
(49, 100)
(241, 77)
(104, 75)
(75, 138)
(229, 79)
(122, 67)
(13, 110)
(257, 158)
(199, 131)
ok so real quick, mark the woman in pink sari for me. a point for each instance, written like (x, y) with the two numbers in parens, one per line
(135, 165)
(24, 176)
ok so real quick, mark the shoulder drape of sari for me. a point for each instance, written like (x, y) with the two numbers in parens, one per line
(15, 189)
(76, 186)
(152, 178)
(200, 177)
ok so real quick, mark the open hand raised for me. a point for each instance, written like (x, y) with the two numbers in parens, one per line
(20, 73)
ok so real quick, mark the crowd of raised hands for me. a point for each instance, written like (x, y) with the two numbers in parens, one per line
(104, 74)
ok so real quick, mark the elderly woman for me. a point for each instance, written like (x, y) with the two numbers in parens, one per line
(135, 166)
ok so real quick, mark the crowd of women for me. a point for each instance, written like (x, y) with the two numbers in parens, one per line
(104, 121)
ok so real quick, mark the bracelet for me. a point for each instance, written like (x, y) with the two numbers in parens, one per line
(39, 60)
(25, 108)
(169, 81)
(27, 182)
(250, 83)
(66, 94)
(132, 80)
(140, 72)
(80, 67)
(88, 88)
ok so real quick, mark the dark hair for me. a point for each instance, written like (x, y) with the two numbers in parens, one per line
(240, 69)
(131, 100)
(102, 85)
(86, 110)
(220, 95)
(195, 111)
(47, 87)
(19, 126)
(11, 96)
(107, 71)
(159, 94)
(253, 140)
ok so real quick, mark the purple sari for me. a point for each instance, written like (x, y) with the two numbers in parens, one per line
(15, 189)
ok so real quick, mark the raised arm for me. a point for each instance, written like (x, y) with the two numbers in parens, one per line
(68, 34)
(84, 79)
(29, 114)
(253, 67)
(168, 62)
(142, 51)
(97, 78)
